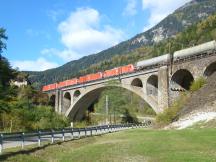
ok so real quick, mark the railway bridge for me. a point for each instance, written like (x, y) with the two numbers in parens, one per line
(158, 85)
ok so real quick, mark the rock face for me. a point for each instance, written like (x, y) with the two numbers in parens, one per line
(201, 107)
(203, 99)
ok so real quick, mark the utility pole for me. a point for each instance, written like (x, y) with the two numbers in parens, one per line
(171, 58)
(107, 109)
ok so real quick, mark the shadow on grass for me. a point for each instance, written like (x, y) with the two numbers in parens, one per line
(28, 151)
(7, 155)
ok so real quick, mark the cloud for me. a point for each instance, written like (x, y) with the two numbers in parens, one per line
(131, 8)
(66, 54)
(160, 9)
(38, 65)
(55, 14)
(82, 33)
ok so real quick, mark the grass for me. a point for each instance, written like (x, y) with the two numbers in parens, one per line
(132, 145)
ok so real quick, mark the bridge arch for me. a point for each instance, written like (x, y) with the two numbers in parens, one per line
(78, 108)
(210, 69)
(137, 82)
(152, 85)
(77, 93)
(66, 101)
(182, 78)
(52, 100)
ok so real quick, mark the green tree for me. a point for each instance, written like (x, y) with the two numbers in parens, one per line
(3, 37)
(6, 72)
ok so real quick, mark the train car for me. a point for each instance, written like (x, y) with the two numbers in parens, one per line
(45, 88)
(53, 86)
(96, 76)
(164, 59)
(71, 82)
(62, 84)
(126, 69)
(110, 73)
(82, 79)
(202, 48)
(49, 87)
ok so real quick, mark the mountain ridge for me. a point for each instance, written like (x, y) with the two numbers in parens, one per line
(183, 17)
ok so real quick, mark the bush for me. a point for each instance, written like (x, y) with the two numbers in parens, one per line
(81, 124)
(23, 118)
(197, 84)
(172, 113)
(129, 117)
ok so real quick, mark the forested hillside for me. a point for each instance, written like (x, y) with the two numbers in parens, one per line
(145, 45)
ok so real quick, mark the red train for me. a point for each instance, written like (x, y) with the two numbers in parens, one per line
(50, 87)
(91, 77)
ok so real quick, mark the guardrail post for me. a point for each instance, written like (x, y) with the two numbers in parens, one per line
(96, 130)
(91, 131)
(52, 136)
(72, 133)
(79, 133)
(39, 138)
(23, 140)
(63, 134)
(85, 133)
(105, 127)
(99, 129)
(1, 143)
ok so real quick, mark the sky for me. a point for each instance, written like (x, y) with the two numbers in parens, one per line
(47, 34)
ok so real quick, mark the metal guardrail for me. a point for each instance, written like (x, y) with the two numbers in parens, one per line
(23, 137)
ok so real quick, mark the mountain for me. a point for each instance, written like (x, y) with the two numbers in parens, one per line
(182, 18)
(178, 21)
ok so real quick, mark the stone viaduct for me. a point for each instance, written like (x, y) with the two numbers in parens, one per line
(158, 86)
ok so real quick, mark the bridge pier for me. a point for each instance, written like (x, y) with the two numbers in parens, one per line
(163, 88)
(56, 101)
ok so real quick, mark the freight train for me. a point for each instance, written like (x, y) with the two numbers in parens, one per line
(208, 47)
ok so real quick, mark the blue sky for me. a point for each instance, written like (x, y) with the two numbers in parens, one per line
(47, 34)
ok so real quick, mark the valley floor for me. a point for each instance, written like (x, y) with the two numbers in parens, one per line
(131, 145)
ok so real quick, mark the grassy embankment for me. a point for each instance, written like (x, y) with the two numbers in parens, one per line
(133, 145)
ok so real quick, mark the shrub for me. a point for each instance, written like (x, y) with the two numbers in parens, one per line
(197, 84)
(172, 113)
(81, 124)
(129, 117)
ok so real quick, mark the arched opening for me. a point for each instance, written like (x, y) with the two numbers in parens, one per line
(210, 69)
(137, 82)
(90, 105)
(152, 85)
(66, 101)
(52, 101)
(76, 93)
(182, 79)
